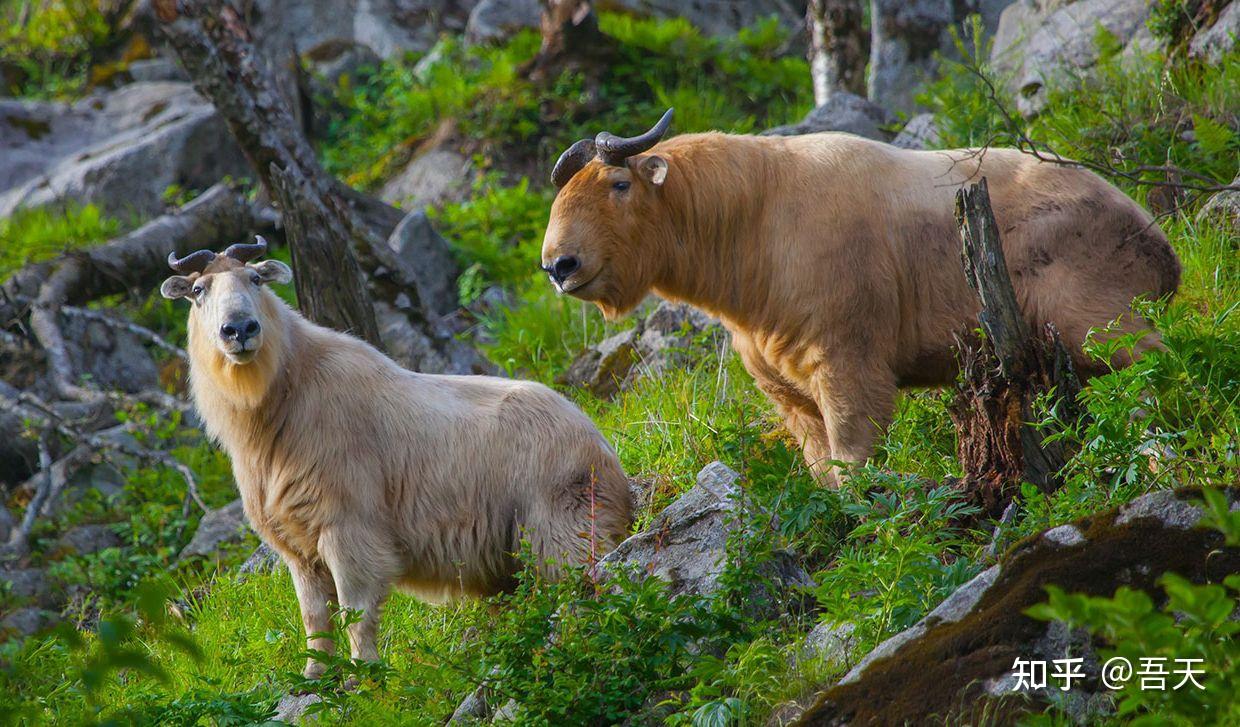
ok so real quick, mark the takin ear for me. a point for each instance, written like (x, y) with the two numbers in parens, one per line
(178, 286)
(652, 168)
(272, 271)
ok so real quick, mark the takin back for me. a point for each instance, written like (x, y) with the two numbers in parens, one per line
(363, 475)
(834, 261)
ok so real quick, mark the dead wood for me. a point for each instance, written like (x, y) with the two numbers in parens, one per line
(1004, 372)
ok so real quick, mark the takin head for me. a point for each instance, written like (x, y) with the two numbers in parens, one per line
(609, 201)
(230, 306)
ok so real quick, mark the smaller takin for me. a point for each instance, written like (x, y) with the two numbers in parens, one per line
(363, 475)
(834, 261)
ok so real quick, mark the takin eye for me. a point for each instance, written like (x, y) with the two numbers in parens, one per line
(196, 291)
(256, 278)
(620, 186)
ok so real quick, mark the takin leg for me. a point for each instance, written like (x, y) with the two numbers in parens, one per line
(363, 568)
(802, 418)
(858, 402)
(314, 589)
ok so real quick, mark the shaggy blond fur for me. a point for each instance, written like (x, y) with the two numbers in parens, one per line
(835, 261)
(363, 475)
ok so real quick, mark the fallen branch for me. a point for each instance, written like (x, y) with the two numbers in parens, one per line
(141, 332)
(52, 476)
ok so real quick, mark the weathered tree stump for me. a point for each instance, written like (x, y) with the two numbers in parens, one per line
(1003, 372)
(571, 39)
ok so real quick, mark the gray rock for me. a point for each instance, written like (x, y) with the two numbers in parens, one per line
(29, 585)
(7, 521)
(921, 132)
(330, 63)
(1039, 43)
(686, 544)
(151, 70)
(438, 176)
(216, 529)
(906, 38)
(262, 560)
(1211, 44)
(1163, 505)
(111, 357)
(1065, 536)
(386, 27)
(1225, 206)
(28, 621)
(832, 644)
(974, 637)
(713, 18)
(842, 112)
(291, 707)
(120, 149)
(423, 263)
(494, 21)
(18, 454)
(660, 341)
(87, 539)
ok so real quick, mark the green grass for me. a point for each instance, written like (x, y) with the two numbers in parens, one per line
(883, 549)
(31, 235)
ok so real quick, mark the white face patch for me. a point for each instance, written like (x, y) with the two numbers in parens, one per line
(230, 312)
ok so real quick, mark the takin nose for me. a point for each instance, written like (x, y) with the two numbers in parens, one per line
(240, 331)
(563, 268)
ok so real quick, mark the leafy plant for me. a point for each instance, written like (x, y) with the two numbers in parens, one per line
(30, 235)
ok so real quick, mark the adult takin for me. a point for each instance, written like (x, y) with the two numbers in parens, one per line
(363, 475)
(834, 261)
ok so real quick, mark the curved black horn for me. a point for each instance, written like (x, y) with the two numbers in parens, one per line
(614, 149)
(245, 252)
(195, 262)
(571, 162)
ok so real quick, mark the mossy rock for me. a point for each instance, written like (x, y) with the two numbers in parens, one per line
(956, 664)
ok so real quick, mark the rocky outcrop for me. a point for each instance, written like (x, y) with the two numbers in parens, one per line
(1224, 206)
(842, 112)
(387, 27)
(120, 149)
(111, 356)
(1039, 41)
(658, 341)
(87, 539)
(906, 38)
(959, 659)
(1212, 43)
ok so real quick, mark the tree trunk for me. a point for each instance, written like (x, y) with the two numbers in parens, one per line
(838, 47)
(570, 39)
(214, 45)
(1003, 373)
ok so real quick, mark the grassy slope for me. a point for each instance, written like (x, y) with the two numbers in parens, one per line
(891, 553)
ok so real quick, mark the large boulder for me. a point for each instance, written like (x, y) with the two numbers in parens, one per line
(119, 149)
(845, 112)
(1040, 41)
(87, 539)
(959, 659)
(907, 38)
(1216, 41)
(387, 27)
(434, 177)
(109, 355)
(1225, 207)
